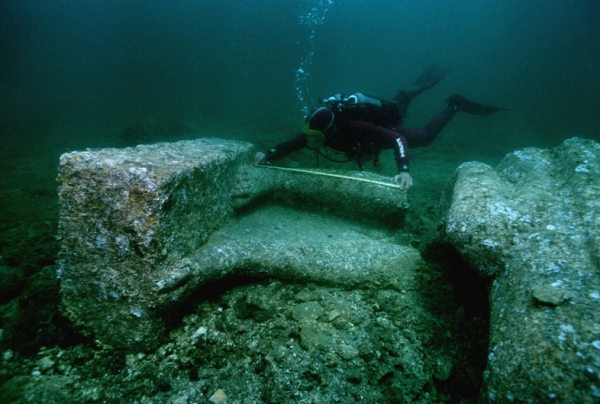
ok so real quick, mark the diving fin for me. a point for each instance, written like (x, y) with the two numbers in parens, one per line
(428, 78)
(460, 103)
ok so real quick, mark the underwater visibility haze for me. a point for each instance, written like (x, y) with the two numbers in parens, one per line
(87, 69)
(114, 73)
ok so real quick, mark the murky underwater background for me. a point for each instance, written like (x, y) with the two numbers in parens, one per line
(78, 74)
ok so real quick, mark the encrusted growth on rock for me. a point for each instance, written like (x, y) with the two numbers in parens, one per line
(136, 227)
(532, 227)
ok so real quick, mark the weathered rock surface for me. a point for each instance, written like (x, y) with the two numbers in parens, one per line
(345, 198)
(276, 342)
(532, 226)
(138, 228)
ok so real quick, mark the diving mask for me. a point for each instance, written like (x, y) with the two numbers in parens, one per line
(318, 126)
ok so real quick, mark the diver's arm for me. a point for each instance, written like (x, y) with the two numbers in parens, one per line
(281, 150)
(400, 147)
(402, 162)
(384, 138)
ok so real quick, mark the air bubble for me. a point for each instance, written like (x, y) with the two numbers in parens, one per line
(314, 17)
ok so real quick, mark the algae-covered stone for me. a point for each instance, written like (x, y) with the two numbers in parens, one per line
(362, 355)
(347, 352)
(317, 335)
(124, 214)
(219, 397)
(138, 228)
(531, 226)
(307, 311)
(550, 295)
(363, 200)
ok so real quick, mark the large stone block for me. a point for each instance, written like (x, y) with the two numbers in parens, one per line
(136, 227)
(532, 227)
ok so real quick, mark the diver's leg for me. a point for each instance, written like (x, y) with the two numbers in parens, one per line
(430, 77)
(424, 137)
(456, 103)
(376, 161)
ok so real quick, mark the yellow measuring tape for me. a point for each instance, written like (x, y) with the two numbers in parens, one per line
(346, 177)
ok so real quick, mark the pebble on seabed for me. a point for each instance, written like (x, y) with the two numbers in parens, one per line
(219, 397)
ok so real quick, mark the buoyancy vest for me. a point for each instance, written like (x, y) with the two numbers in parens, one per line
(361, 107)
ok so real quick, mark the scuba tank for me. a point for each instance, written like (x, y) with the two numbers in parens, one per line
(361, 107)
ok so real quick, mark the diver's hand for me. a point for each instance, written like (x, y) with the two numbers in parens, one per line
(260, 158)
(404, 179)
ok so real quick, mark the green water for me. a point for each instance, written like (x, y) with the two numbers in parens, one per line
(79, 74)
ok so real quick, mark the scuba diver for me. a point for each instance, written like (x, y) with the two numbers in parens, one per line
(361, 126)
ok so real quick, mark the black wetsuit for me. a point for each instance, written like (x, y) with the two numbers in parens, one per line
(361, 140)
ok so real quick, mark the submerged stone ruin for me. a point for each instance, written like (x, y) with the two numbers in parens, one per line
(142, 228)
(532, 227)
